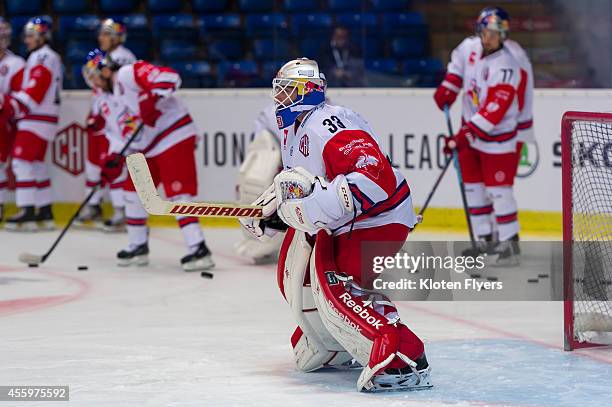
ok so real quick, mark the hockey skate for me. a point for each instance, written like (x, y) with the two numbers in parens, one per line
(23, 221)
(44, 218)
(407, 378)
(91, 214)
(199, 260)
(116, 223)
(134, 256)
(505, 254)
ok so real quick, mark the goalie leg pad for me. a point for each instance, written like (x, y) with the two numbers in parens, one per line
(313, 346)
(375, 340)
(262, 161)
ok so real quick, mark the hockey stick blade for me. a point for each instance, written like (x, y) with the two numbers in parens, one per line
(29, 258)
(155, 205)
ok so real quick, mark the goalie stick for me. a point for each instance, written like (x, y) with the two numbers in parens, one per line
(36, 259)
(155, 205)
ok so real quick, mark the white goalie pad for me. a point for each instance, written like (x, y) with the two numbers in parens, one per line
(262, 162)
(314, 347)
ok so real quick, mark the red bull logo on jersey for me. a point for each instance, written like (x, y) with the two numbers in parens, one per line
(68, 149)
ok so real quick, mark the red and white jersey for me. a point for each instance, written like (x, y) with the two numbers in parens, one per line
(122, 55)
(11, 73)
(490, 105)
(525, 92)
(40, 92)
(119, 122)
(175, 123)
(266, 120)
(334, 140)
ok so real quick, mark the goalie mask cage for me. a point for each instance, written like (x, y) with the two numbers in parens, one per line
(587, 228)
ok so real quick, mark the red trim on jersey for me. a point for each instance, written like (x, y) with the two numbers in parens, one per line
(400, 195)
(525, 125)
(39, 82)
(117, 185)
(16, 81)
(490, 138)
(522, 90)
(163, 85)
(41, 118)
(499, 100)
(3, 185)
(91, 184)
(454, 79)
(183, 121)
(356, 151)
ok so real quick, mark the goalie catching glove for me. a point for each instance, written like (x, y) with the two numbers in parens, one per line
(309, 204)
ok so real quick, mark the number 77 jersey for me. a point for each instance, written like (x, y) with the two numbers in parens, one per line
(490, 94)
(334, 140)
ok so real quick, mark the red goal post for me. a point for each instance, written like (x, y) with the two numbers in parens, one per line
(586, 139)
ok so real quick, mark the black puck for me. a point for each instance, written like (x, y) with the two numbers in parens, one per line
(206, 274)
(542, 275)
(532, 280)
(32, 265)
(492, 278)
(82, 268)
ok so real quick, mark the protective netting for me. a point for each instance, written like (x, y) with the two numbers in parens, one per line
(592, 230)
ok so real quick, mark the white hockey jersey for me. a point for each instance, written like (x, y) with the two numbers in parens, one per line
(11, 73)
(333, 140)
(39, 96)
(175, 123)
(122, 55)
(525, 92)
(490, 104)
(119, 122)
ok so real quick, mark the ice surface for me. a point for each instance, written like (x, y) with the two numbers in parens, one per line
(157, 336)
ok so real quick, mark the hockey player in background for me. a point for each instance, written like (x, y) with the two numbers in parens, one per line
(111, 37)
(493, 84)
(145, 92)
(36, 107)
(262, 162)
(11, 75)
(336, 191)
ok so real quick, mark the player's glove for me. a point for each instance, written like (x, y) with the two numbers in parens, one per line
(261, 229)
(9, 108)
(94, 123)
(446, 94)
(148, 112)
(459, 141)
(112, 164)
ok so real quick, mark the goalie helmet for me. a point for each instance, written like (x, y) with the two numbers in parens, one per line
(40, 26)
(5, 33)
(115, 29)
(299, 86)
(495, 19)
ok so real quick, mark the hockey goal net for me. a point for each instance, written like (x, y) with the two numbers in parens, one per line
(587, 228)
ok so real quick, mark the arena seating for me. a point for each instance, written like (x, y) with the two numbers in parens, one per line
(236, 42)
